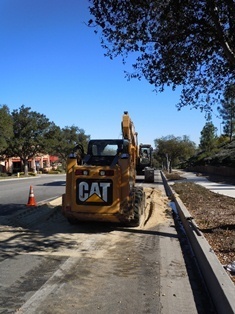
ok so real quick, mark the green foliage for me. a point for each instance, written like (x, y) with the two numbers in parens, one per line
(6, 128)
(156, 162)
(27, 134)
(221, 140)
(201, 158)
(227, 111)
(208, 137)
(33, 174)
(222, 155)
(176, 43)
(52, 138)
(3, 174)
(29, 130)
(174, 149)
(66, 139)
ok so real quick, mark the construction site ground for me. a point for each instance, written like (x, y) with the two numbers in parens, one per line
(214, 213)
(97, 267)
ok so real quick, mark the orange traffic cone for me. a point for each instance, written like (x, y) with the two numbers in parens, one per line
(31, 200)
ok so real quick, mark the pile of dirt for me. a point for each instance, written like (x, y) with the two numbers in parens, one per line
(215, 216)
(157, 208)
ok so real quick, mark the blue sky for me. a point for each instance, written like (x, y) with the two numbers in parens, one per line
(52, 62)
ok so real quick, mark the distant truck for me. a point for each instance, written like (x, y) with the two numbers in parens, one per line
(145, 158)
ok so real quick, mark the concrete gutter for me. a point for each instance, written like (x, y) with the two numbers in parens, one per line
(220, 286)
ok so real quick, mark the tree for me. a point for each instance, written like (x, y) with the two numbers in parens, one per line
(208, 137)
(66, 139)
(184, 43)
(173, 150)
(6, 128)
(29, 135)
(227, 111)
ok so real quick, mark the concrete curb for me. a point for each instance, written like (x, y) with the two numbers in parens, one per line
(220, 286)
(56, 202)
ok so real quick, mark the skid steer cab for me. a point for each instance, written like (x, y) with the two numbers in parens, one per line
(100, 186)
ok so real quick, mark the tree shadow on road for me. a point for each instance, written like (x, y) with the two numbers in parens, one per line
(55, 183)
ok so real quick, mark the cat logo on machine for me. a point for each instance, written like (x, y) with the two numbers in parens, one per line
(90, 192)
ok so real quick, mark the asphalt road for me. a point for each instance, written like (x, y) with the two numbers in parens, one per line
(14, 193)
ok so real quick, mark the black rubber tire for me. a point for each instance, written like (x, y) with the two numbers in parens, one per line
(139, 196)
(72, 221)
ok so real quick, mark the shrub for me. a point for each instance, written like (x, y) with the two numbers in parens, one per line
(53, 172)
(32, 174)
(3, 174)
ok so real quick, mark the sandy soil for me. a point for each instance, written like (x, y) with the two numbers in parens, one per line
(157, 207)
